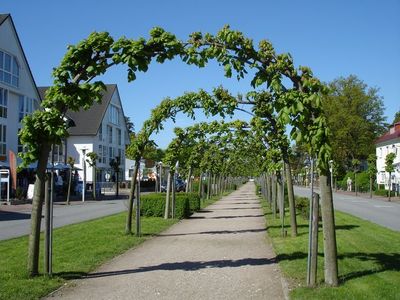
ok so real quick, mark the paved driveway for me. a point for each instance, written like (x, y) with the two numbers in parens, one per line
(378, 211)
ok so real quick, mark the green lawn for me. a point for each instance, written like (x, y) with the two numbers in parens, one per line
(369, 259)
(78, 249)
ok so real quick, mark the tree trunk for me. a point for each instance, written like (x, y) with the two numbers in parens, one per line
(201, 185)
(189, 179)
(36, 215)
(166, 212)
(208, 185)
(273, 195)
(47, 226)
(94, 183)
(173, 198)
(370, 186)
(69, 186)
(128, 226)
(314, 241)
(292, 205)
(390, 186)
(328, 226)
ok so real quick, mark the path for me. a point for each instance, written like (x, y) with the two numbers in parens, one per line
(378, 211)
(219, 253)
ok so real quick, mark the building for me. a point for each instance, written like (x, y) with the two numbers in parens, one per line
(101, 129)
(18, 93)
(388, 143)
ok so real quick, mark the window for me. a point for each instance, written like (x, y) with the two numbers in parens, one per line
(119, 137)
(3, 140)
(100, 154)
(26, 106)
(101, 132)
(3, 103)
(110, 153)
(113, 116)
(58, 152)
(110, 134)
(105, 154)
(9, 69)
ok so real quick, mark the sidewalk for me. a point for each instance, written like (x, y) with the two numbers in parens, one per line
(219, 253)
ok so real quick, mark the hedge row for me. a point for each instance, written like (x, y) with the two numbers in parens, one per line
(153, 205)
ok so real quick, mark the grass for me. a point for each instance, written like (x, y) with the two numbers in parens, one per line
(368, 259)
(78, 249)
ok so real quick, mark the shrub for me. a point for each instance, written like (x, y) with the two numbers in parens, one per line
(194, 201)
(385, 193)
(362, 181)
(303, 206)
(153, 205)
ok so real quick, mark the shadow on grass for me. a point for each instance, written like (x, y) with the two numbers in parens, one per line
(382, 262)
(338, 227)
(183, 266)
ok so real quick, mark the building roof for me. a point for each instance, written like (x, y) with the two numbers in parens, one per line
(88, 121)
(3, 18)
(392, 134)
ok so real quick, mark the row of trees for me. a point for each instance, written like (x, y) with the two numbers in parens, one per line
(292, 96)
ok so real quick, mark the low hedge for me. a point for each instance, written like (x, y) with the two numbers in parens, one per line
(153, 205)
(385, 193)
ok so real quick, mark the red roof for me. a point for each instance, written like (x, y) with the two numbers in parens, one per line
(392, 134)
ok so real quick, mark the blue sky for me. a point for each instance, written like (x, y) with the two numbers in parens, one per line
(334, 38)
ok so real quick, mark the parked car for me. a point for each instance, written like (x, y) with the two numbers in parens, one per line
(180, 186)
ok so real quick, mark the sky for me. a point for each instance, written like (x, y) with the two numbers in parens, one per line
(333, 38)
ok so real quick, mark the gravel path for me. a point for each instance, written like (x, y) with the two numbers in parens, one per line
(219, 253)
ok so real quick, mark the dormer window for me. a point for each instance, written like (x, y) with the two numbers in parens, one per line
(9, 69)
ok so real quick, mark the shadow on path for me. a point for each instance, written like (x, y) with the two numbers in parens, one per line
(216, 232)
(184, 266)
(226, 217)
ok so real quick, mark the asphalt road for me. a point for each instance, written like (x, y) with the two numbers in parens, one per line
(378, 211)
(15, 221)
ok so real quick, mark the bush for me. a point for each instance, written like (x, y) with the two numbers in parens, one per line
(303, 206)
(153, 205)
(362, 181)
(385, 193)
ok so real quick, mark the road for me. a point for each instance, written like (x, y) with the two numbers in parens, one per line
(15, 220)
(378, 211)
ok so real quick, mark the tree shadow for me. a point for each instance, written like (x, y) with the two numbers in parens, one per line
(226, 217)
(383, 261)
(215, 232)
(184, 266)
(12, 215)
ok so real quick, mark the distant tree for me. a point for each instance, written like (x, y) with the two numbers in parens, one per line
(396, 117)
(355, 114)
(356, 168)
(129, 125)
(371, 171)
(389, 167)
(115, 164)
(92, 158)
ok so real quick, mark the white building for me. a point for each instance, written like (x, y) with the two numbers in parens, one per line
(388, 143)
(18, 93)
(101, 129)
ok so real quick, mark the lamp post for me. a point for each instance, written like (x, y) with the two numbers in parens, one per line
(84, 149)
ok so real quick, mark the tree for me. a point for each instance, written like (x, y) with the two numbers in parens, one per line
(355, 116)
(115, 164)
(92, 158)
(372, 170)
(389, 167)
(71, 163)
(129, 125)
(355, 163)
(396, 117)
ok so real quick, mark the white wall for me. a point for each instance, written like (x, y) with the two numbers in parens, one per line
(382, 150)
(9, 44)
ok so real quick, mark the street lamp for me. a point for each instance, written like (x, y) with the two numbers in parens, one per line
(84, 149)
